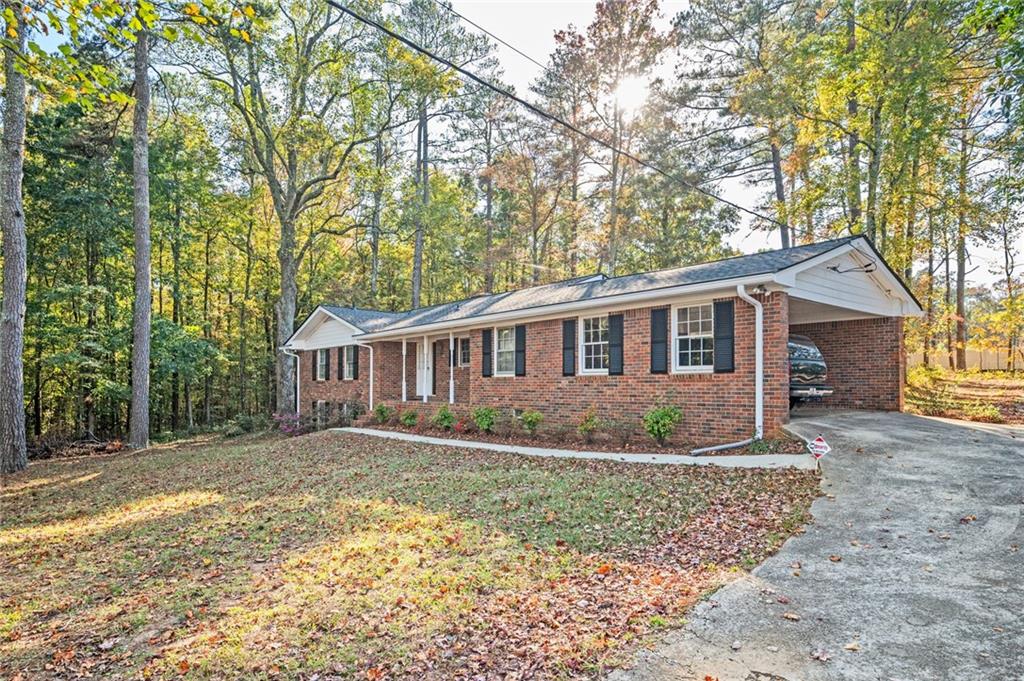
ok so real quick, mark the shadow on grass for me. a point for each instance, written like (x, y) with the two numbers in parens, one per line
(349, 555)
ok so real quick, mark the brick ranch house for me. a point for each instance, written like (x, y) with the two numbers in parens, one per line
(709, 338)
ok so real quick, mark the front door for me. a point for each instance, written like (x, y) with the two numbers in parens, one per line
(424, 369)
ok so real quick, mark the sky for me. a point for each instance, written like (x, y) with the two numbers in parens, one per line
(530, 26)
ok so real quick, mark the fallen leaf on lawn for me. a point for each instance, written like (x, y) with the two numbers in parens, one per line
(183, 666)
(604, 569)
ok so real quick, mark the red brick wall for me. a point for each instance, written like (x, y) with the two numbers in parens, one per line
(716, 407)
(333, 390)
(865, 359)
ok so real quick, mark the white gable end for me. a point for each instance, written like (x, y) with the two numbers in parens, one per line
(847, 281)
(322, 330)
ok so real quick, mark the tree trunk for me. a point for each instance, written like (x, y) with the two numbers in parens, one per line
(207, 332)
(780, 193)
(488, 208)
(423, 183)
(285, 309)
(138, 437)
(176, 313)
(13, 454)
(874, 171)
(613, 197)
(853, 137)
(961, 251)
(929, 331)
(378, 195)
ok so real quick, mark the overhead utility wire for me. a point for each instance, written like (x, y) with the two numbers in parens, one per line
(541, 112)
(444, 5)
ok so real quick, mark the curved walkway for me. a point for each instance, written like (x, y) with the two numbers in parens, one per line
(804, 461)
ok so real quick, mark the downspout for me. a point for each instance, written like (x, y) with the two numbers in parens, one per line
(741, 291)
(370, 348)
(298, 376)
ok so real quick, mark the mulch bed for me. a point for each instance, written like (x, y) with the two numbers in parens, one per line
(600, 443)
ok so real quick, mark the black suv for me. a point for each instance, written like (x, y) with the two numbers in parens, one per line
(807, 371)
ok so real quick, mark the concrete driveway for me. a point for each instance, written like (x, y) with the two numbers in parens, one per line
(912, 569)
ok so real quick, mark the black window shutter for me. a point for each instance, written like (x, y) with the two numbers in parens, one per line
(659, 340)
(355, 361)
(569, 347)
(341, 363)
(433, 369)
(327, 366)
(486, 343)
(614, 345)
(725, 334)
(520, 349)
(316, 361)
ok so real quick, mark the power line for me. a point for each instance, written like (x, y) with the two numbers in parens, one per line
(536, 110)
(442, 4)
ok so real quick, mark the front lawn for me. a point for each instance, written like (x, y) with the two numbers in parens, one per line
(992, 396)
(343, 556)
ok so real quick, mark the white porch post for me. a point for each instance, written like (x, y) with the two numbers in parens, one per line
(405, 397)
(426, 388)
(451, 368)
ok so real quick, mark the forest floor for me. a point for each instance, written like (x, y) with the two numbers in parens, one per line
(339, 556)
(989, 396)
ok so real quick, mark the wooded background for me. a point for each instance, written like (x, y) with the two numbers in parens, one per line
(298, 157)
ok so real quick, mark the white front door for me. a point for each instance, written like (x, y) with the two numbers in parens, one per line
(424, 368)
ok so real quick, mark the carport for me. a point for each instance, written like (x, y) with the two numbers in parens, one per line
(852, 306)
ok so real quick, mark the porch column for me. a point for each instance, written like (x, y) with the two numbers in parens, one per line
(404, 393)
(451, 368)
(426, 388)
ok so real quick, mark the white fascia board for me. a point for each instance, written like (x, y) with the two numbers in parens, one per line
(296, 342)
(556, 310)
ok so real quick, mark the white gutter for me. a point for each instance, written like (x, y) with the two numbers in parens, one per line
(298, 376)
(741, 291)
(370, 348)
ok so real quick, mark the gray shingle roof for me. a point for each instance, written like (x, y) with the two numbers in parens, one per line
(367, 320)
(590, 288)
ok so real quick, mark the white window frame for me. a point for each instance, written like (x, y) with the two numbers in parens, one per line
(581, 344)
(494, 350)
(703, 368)
(347, 373)
(323, 356)
(463, 362)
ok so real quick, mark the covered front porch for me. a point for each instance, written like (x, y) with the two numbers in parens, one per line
(425, 368)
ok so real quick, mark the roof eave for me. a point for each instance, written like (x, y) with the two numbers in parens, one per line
(555, 309)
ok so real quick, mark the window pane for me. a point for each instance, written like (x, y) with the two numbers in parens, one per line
(695, 336)
(505, 360)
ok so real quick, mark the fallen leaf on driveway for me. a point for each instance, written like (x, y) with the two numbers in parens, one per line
(835, 558)
(820, 654)
(968, 519)
(853, 646)
(791, 616)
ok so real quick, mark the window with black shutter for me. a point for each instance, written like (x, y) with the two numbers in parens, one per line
(615, 345)
(521, 350)
(569, 347)
(485, 352)
(659, 340)
(725, 333)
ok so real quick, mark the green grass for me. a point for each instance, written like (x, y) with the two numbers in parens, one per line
(364, 558)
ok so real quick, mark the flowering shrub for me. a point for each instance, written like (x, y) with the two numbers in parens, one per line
(291, 424)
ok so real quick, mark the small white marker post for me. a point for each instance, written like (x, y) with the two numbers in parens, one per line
(818, 448)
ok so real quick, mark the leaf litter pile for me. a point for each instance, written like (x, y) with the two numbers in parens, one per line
(340, 556)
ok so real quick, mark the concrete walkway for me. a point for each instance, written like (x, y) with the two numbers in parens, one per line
(912, 569)
(804, 461)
